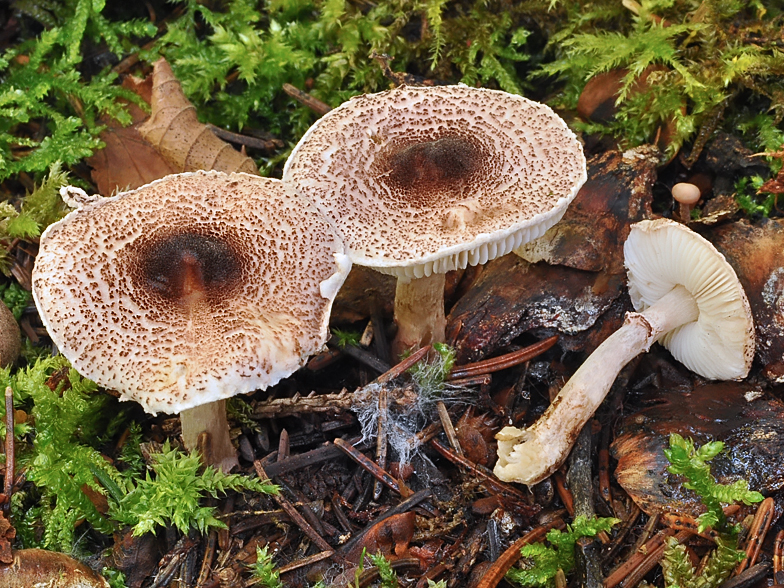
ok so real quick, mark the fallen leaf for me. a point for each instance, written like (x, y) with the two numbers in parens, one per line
(392, 535)
(7, 535)
(175, 131)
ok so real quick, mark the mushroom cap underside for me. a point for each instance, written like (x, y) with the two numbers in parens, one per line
(193, 288)
(661, 254)
(423, 180)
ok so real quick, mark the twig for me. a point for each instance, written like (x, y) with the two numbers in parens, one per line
(254, 142)
(206, 562)
(342, 401)
(380, 341)
(482, 381)
(565, 494)
(373, 469)
(381, 438)
(294, 513)
(404, 365)
(367, 358)
(449, 429)
(305, 561)
(640, 553)
(650, 560)
(687, 523)
(503, 361)
(306, 99)
(604, 466)
(283, 445)
(778, 558)
(431, 574)
(496, 572)
(748, 578)
(10, 465)
(323, 359)
(759, 528)
(487, 479)
(326, 452)
(621, 533)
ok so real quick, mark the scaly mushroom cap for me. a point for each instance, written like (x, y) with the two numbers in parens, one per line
(662, 254)
(193, 288)
(423, 180)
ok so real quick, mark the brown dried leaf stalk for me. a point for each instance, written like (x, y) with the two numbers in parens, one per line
(175, 131)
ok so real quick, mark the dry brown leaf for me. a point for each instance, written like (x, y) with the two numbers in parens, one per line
(128, 161)
(391, 535)
(7, 535)
(175, 131)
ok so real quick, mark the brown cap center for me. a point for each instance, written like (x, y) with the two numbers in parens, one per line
(187, 267)
(426, 168)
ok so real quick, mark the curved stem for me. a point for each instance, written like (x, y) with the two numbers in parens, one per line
(528, 456)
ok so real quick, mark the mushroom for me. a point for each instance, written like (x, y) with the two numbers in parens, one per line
(423, 180)
(688, 298)
(190, 290)
(686, 195)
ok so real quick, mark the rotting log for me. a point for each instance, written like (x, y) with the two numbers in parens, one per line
(755, 253)
(750, 424)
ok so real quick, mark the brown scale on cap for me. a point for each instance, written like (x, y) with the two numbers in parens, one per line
(424, 180)
(191, 289)
(423, 171)
(178, 269)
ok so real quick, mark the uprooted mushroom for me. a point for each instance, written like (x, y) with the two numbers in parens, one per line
(688, 298)
(190, 290)
(423, 180)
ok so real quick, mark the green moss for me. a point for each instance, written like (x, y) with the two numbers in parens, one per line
(706, 55)
(692, 462)
(542, 562)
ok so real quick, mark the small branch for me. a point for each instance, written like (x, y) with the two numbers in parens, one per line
(306, 99)
(267, 145)
(294, 513)
(10, 465)
(381, 438)
(759, 528)
(778, 558)
(371, 467)
(488, 480)
(503, 361)
(449, 429)
(496, 572)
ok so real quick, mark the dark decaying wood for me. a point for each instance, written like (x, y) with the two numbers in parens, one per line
(750, 424)
(755, 253)
(512, 296)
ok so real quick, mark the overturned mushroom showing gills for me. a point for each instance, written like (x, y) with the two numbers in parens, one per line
(423, 180)
(688, 298)
(190, 290)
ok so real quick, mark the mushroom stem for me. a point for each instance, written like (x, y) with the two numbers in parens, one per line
(210, 418)
(529, 456)
(419, 312)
